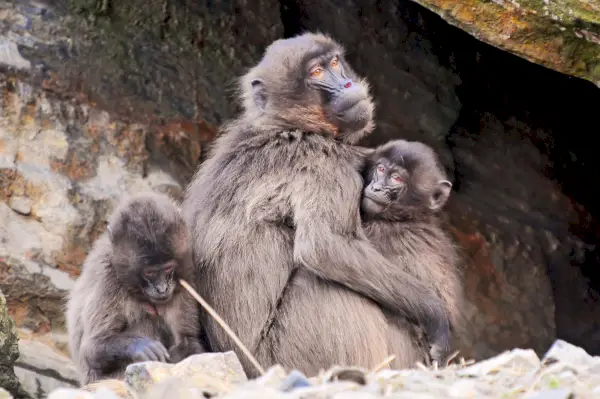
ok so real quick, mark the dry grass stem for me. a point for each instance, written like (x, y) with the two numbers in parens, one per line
(384, 362)
(224, 325)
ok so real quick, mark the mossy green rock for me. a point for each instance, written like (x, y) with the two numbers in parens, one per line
(9, 352)
(561, 35)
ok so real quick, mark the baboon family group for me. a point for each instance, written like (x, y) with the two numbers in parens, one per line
(316, 251)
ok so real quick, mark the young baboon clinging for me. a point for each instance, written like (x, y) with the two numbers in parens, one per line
(127, 306)
(280, 194)
(405, 187)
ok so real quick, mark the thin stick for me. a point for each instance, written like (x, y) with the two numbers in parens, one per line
(222, 323)
(383, 363)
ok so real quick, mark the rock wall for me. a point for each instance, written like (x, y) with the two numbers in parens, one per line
(99, 99)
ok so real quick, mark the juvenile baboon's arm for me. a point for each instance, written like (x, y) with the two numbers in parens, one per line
(107, 346)
(329, 242)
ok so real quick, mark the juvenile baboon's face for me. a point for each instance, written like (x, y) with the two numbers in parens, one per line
(306, 82)
(404, 179)
(157, 281)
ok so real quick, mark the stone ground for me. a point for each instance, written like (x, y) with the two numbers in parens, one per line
(565, 371)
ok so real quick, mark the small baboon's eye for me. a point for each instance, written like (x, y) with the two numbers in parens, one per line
(380, 169)
(315, 73)
(335, 61)
(396, 179)
(168, 269)
(149, 273)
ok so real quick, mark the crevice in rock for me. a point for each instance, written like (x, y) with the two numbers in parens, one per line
(46, 373)
(292, 14)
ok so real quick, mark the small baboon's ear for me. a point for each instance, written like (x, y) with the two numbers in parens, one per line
(440, 195)
(259, 94)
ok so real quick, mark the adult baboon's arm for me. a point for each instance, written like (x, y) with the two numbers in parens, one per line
(329, 242)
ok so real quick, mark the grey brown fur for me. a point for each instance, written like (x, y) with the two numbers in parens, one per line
(114, 316)
(276, 206)
(406, 230)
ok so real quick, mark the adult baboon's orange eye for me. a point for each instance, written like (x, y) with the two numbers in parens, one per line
(335, 61)
(315, 73)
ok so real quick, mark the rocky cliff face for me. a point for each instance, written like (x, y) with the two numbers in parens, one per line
(103, 98)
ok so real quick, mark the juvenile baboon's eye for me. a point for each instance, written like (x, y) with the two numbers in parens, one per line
(380, 169)
(335, 61)
(149, 273)
(396, 179)
(315, 73)
(168, 269)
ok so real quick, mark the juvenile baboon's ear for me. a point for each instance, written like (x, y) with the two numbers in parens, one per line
(440, 195)
(259, 94)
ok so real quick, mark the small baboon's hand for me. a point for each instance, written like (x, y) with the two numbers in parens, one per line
(145, 349)
(185, 348)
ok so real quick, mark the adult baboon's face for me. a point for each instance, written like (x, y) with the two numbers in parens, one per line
(306, 83)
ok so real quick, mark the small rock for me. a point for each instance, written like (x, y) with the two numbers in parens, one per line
(564, 352)
(516, 358)
(9, 55)
(354, 395)
(256, 393)
(295, 380)
(323, 390)
(354, 374)
(119, 387)
(70, 393)
(463, 389)
(180, 388)
(552, 394)
(273, 377)
(207, 371)
(20, 204)
(4, 394)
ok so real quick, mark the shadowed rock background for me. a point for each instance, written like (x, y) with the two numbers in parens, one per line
(99, 98)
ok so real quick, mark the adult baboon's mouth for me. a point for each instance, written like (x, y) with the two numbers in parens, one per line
(341, 112)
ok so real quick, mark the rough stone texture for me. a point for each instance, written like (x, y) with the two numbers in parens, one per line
(9, 352)
(207, 372)
(565, 372)
(42, 370)
(102, 98)
(563, 35)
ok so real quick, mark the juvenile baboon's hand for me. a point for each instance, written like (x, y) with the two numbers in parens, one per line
(185, 348)
(145, 349)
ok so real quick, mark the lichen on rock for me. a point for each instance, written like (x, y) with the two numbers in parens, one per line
(9, 353)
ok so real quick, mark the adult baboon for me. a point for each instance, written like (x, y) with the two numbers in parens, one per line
(127, 306)
(280, 194)
(405, 187)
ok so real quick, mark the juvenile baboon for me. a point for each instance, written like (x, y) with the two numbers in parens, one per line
(405, 187)
(126, 305)
(279, 197)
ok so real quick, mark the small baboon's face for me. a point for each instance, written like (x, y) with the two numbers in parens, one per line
(403, 180)
(157, 281)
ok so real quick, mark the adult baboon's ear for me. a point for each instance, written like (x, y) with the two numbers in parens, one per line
(440, 195)
(259, 94)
